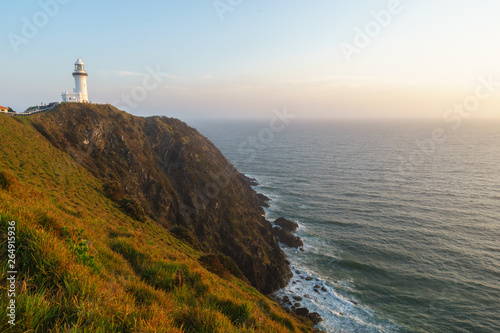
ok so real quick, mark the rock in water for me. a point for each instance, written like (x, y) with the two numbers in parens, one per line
(303, 312)
(287, 237)
(286, 224)
(315, 317)
(264, 201)
(251, 181)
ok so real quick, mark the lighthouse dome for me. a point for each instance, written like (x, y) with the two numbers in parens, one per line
(79, 67)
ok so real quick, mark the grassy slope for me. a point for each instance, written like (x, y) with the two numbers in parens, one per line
(85, 266)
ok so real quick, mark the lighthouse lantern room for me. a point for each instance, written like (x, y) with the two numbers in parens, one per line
(80, 94)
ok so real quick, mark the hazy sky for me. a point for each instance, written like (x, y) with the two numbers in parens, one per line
(242, 58)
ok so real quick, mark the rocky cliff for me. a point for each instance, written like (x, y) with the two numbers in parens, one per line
(160, 168)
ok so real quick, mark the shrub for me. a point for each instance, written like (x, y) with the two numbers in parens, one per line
(182, 233)
(80, 248)
(113, 190)
(132, 208)
(221, 265)
(4, 181)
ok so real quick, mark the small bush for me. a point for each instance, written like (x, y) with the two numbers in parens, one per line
(48, 223)
(132, 208)
(221, 265)
(80, 248)
(4, 181)
(113, 190)
(182, 233)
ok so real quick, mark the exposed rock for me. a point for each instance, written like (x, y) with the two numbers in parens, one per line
(286, 299)
(177, 176)
(264, 201)
(287, 237)
(315, 317)
(286, 224)
(323, 289)
(251, 181)
(308, 278)
(297, 298)
(297, 272)
(303, 312)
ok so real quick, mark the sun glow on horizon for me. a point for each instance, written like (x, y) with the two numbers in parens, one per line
(411, 59)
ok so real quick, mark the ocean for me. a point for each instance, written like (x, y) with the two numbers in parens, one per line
(400, 219)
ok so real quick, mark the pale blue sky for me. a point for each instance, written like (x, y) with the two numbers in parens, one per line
(262, 55)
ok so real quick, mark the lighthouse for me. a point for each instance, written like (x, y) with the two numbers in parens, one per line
(80, 94)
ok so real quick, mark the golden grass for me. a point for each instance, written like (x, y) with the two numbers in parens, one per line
(140, 278)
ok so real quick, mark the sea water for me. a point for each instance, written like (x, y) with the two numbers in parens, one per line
(400, 219)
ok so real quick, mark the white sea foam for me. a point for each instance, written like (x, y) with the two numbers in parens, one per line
(340, 313)
(405, 234)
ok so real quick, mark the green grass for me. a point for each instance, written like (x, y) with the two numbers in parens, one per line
(86, 266)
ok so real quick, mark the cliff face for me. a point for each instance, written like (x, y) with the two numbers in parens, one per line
(177, 176)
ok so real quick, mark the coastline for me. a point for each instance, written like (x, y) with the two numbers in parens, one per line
(363, 230)
(325, 303)
(292, 303)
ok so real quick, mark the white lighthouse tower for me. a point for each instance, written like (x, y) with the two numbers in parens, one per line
(80, 94)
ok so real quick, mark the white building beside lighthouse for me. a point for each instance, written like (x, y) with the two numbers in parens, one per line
(80, 94)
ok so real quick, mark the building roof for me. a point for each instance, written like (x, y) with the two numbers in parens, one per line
(3, 107)
(79, 62)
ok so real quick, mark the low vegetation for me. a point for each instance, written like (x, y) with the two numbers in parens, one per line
(88, 263)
